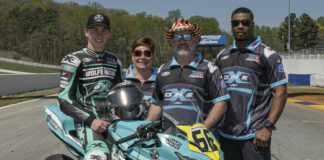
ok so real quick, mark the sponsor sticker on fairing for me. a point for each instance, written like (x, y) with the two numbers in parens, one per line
(172, 142)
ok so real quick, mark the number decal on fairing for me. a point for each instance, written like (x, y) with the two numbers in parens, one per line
(203, 138)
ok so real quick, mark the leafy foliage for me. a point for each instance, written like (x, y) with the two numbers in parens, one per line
(304, 32)
(46, 31)
(320, 20)
(267, 35)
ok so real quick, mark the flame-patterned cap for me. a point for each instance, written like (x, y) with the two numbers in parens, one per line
(182, 25)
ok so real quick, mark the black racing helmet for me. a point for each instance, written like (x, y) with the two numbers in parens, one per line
(126, 100)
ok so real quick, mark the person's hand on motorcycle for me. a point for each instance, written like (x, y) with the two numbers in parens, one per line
(99, 125)
(262, 137)
(142, 126)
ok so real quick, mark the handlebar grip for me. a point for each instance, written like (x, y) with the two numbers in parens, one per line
(130, 137)
(155, 124)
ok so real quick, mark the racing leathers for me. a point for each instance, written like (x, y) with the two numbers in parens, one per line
(182, 91)
(147, 87)
(250, 74)
(86, 78)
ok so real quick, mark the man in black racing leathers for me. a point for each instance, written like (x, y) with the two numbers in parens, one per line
(86, 78)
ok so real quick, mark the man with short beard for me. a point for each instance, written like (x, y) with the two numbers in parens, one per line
(256, 81)
(184, 83)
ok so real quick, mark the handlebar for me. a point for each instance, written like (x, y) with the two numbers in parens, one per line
(130, 137)
(141, 132)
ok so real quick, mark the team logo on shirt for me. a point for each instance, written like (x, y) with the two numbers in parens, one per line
(222, 84)
(238, 77)
(212, 67)
(64, 83)
(196, 74)
(99, 60)
(111, 61)
(71, 60)
(66, 67)
(280, 68)
(253, 58)
(175, 94)
(65, 74)
(165, 73)
(98, 72)
(86, 60)
(225, 57)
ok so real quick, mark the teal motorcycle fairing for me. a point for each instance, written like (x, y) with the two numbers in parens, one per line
(161, 146)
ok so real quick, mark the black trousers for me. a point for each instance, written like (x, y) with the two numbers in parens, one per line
(244, 150)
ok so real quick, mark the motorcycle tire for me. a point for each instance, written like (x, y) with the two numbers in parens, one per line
(59, 157)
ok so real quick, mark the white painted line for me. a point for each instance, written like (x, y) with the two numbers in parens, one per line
(313, 121)
(14, 72)
(16, 104)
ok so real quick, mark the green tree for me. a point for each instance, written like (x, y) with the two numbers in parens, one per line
(320, 24)
(7, 4)
(268, 36)
(209, 25)
(283, 32)
(320, 20)
(307, 32)
(173, 16)
(96, 5)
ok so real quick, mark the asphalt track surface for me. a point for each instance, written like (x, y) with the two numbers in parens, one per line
(24, 134)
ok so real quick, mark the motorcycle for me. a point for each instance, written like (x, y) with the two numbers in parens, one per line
(140, 139)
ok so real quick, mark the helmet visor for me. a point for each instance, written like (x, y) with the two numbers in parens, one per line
(127, 96)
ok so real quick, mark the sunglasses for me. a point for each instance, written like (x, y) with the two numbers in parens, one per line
(138, 53)
(177, 37)
(245, 22)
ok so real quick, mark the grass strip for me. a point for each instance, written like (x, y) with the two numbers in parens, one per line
(26, 68)
(305, 89)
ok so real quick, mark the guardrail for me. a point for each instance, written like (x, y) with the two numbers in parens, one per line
(29, 63)
(304, 54)
(21, 83)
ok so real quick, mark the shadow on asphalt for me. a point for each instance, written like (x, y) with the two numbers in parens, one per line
(48, 97)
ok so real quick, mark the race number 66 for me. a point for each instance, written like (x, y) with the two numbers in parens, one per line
(205, 141)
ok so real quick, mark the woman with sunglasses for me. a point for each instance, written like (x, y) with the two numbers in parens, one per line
(141, 71)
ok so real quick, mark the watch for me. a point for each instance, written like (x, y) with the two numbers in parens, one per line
(268, 124)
